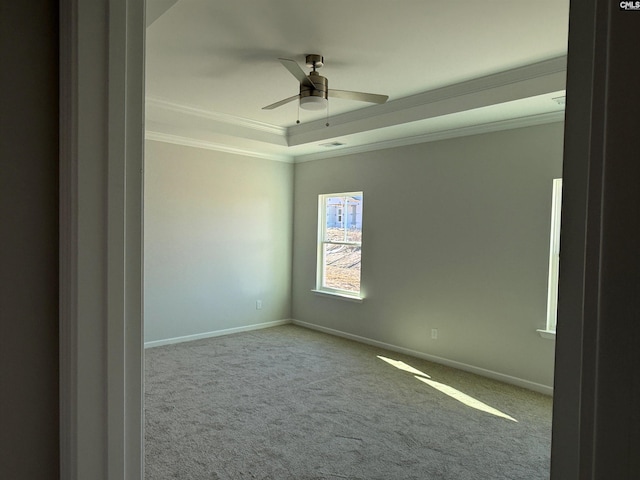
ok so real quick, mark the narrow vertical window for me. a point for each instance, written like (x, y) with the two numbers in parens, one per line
(339, 243)
(554, 256)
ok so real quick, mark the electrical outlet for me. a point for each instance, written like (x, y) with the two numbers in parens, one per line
(258, 304)
(434, 333)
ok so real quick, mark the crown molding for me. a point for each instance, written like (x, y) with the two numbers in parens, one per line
(500, 125)
(479, 129)
(207, 145)
(216, 116)
(166, 105)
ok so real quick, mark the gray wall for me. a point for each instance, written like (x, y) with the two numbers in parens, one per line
(218, 233)
(455, 237)
(29, 445)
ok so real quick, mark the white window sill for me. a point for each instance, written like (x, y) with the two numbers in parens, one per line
(341, 296)
(548, 334)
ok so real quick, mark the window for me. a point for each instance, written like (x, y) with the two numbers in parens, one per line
(339, 243)
(554, 256)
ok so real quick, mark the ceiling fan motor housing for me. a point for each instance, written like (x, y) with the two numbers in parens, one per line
(321, 87)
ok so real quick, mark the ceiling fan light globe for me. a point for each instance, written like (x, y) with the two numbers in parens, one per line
(313, 103)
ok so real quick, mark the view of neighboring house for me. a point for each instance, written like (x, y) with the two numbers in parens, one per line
(345, 212)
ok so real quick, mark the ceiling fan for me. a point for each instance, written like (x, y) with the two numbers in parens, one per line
(314, 88)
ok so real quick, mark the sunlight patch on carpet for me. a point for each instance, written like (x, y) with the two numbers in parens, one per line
(465, 399)
(403, 366)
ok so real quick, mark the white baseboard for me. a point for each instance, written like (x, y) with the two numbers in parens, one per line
(537, 387)
(216, 333)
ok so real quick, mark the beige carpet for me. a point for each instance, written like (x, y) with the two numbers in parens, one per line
(291, 403)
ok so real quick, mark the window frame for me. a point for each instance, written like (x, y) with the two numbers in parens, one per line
(321, 288)
(554, 260)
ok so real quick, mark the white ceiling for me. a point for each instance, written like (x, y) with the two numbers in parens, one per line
(449, 68)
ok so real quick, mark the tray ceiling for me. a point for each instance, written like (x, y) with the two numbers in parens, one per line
(212, 66)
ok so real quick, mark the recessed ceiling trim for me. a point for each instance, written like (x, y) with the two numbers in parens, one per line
(530, 80)
(521, 122)
(192, 142)
(188, 125)
(215, 116)
(535, 79)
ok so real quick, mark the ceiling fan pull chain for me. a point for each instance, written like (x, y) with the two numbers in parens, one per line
(298, 120)
(327, 124)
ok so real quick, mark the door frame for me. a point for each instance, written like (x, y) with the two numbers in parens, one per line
(101, 187)
(101, 321)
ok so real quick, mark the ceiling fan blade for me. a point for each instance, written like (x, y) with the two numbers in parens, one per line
(359, 96)
(296, 71)
(281, 102)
